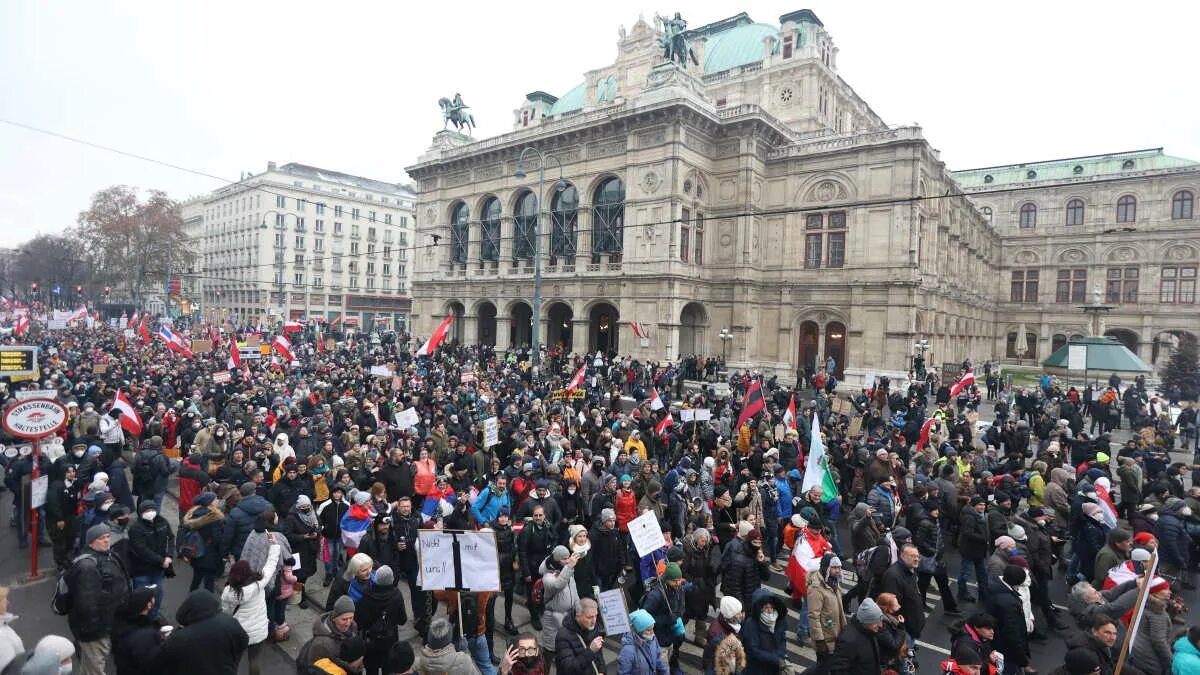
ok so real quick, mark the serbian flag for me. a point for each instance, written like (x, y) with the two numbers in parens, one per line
(438, 337)
(292, 326)
(355, 524)
(805, 559)
(789, 415)
(665, 425)
(577, 381)
(284, 347)
(174, 342)
(965, 381)
(752, 404)
(655, 400)
(131, 421)
(235, 356)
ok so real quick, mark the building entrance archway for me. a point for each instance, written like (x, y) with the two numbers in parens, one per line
(809, 346)
(603, 321)
(835, 347)
(486, 321)
(558, 330)
(456, 326)
(520, 332)
(692, 322)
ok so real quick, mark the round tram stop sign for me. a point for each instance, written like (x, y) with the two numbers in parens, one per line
(35, 418)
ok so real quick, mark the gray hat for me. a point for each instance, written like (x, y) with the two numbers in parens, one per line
(901, 533)
(560, 553)
(246, 489)
(384, 576)
(607, 514)
(868, 612)
(95, 532)
(344, 605)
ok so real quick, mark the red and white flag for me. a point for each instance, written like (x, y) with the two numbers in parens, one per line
(640, 330)
(174, 342)
(143, 332)
(131, 421)
(337, 319)
(133, 319)
(21, 325)
(665, 425)
(284, 347)
(789, 416)
(965, 381)
(924, 438)
(656, 402)
(235, 356)
(438, 337)
(292, 326)
(577, 381)
(78, 315)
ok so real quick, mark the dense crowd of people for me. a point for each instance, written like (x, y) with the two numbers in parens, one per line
(300, 473)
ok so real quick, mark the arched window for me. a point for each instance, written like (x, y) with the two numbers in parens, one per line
(987, 213)
(1127, 209)
(1181, 205)
(459, 233)
(608, 218)
(1075, 212)
(1028, 215)
(564, 216)
(489, 245)
(525, 227)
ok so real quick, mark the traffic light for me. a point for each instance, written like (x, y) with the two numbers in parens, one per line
(79, 290)
(107, 290)
(33, 287)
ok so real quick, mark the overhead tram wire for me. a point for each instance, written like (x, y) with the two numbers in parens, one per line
(420, 247)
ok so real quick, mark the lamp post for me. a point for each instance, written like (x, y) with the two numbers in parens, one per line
(560, 184)
(726, 335)
(921, 346)
(262, 226)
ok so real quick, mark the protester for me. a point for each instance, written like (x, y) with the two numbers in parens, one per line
(207, 640)
(579, 643)
(10, 642)
(857, 650)
(245, 599)
(379, 614)
(136, 636)
(438, 655)
(97, 584)
(640, 652)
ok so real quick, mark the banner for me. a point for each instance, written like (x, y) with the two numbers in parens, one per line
(222, 377)
(475, 566)
(407, 418)
(614, 612)
(646, 534)
(491, 432)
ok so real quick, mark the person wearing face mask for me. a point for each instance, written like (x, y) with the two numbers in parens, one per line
(1174, 545)
(826, 614)
(150, 472)
(152, 549)
(570, 506)
(62, 502)
(303, 531)
(52, 655)
(1089, 539)
(98, 584)
(329, 516)
(640, 652)
(95, 511)
(723, 650)
(764, 633)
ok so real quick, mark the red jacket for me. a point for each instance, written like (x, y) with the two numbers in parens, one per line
(626, 504)
(189, 485)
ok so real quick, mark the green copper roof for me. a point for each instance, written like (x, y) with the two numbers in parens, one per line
(737, 46)
(572, 100)
(1072, 167)
(1103, 354)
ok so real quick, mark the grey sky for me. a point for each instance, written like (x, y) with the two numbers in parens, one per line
(223, 87)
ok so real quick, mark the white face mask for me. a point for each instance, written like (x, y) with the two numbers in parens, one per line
(736, 626)
(570, 491)
(1185, 511)
(149, 516)
(106, 506)
(1152, 516)
(65, 669)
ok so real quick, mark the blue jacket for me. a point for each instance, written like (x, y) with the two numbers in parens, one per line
(639, 657)
(1173, 538)
(240, 523)
(784, 507)
(1187, 658)
(487, 505)
(766, 651)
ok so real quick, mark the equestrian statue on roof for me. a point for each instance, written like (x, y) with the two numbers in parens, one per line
(455, 111)
(674, 41)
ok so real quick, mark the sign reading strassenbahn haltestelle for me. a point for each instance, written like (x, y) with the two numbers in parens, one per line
(18, 360)
(35, 418)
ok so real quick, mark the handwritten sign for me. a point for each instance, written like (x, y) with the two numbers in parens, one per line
(646, 534)
(381, 371)
(37, 491)
(222, 377)
(407, 418)
(466, 377)
(561, 394)
(491, 432)
(703, 414)
(614, 612)
(687, 415)
(855, 427)
(436, 557)
(480, 560)
(202, 346)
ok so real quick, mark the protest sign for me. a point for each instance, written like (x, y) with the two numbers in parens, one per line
(381, 371)
(614, 612)
(646, 533)
(437, 559)
(491, 432)
(407, 418)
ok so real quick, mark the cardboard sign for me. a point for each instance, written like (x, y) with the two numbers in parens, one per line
(842, 406)
(646, 534)
(381, 371)
(407, 418)
(491, 432)
(687, 415)
(100, 368)
(466, 377)
(222, 377)
(855, 427)
(561, 394)
(614, 612)
(480, 560)
(436, 555)
(330, 344)
(253, 341)
(201, 346)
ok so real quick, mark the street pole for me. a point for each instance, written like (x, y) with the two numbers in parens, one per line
(535, 330)
(33, 513)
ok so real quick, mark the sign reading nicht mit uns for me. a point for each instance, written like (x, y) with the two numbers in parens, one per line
(35, 418)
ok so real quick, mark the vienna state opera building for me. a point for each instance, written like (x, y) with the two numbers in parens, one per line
(748, 202)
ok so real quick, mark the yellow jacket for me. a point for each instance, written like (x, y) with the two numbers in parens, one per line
(635, 444)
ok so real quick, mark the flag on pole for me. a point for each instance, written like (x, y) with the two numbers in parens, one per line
(965, 381)
(174, 342)
(1107, 509)
(284, 347)
(655, 400)
(130, 420)
(438, 337)
(143, 332)
(816, 468)
(292, 326)
(924, 438)
(640, 330)
(789, 415)
(335, 321)
(235, 356)
(577, 380)
(752, 404)
(664, 426)
(21, 325)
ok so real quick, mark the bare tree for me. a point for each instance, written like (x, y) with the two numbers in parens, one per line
(49, 260)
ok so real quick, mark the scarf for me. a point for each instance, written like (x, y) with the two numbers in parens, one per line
(356, 591)
(309, 517)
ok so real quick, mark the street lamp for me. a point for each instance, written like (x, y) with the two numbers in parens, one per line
(560, 184)
(726, 335)
(921, 346)
(282, 218)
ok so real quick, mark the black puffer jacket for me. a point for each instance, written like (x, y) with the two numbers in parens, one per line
(741, 573)
(149, 544)
(901, 581)
(928, 537)
(700, 567)
(856, 651)
(1011, 639)
(369, 614)
(98, 584)
(972, 534)
(572, 656)
(209, 642)
(506, 542)
(135, 641)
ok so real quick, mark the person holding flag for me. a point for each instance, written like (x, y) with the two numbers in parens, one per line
(809, 548)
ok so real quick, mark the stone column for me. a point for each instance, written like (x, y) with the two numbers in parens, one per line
(503, 326)
(579, 336)
(471, 329)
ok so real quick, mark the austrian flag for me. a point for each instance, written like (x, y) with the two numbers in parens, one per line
(131, 421)
(965, 381)
(577, 381)
(235, 356)
(438, 337)
(665, 425)
(640, 330)
(284, 347)
(174, 342)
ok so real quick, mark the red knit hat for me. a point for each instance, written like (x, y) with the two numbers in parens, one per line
(1143, 538)
(1159, 584)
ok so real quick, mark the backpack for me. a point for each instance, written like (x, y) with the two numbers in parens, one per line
(862, 562)
(304, 657)
(62, 602)
(191, 545)
(537, 594)
(380, 632)
(142, 477)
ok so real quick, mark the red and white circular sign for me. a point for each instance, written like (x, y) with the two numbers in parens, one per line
(35, 418)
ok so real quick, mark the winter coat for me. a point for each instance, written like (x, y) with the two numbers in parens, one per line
(864, 531)
(766, 649)
(208, 642)
(900, 580)
(329, 515)
(1088, 542)
(149, 545)
(741, 573)
(665, 604)
(572, 652)
(239, 523)
(506, 542)
(397, 479)
(1104, 654)
(998, 520)
(135, 642)
(444, 660)
(370, 610)
(826, 616)
(1011, 638)
(250, 609)
(606, 550)
(1117, 601)
(884, 503)
(639, 657)
(1152, 648)
(326, 640)
(700, 568)
(626, 508)
(488, 504)
(1187, 658)
(294, 528)
(533, 545)
(1106, 559)
(856, 652)
(718, 632)
(208, 522)
(151, 479)
(1172, 537)
(10, 642)
(927, 536)
(560, 594)
(285, 492)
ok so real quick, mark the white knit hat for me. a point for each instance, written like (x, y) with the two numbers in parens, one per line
(730, 606)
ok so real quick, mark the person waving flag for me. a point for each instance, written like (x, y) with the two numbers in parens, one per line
(752, 404)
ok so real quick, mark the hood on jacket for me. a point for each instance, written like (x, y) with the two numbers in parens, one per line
(761, 598)
(634, 640)
(324, 627)
(861, 510)
(254, 504)
(200, 516)
(1184, 647)
(1060, 477)
(42, 663)
(198, 606)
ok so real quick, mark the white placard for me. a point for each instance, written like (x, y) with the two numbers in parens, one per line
(646, 534)
(56, 324)
(491, 432)
(296, 565)
(122, 322)
(129, 334)
(869, 380)
(37, 491)
(381, 371)
(436, 556)
(27, 394)
(1077, 357)
(614, 612)
(703, 414)
(480, 561)
(250, 353)
(222, 377)
(407, 418)
(687, 415)
(466, 377)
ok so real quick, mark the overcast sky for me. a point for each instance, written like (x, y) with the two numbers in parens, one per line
(224, 87)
